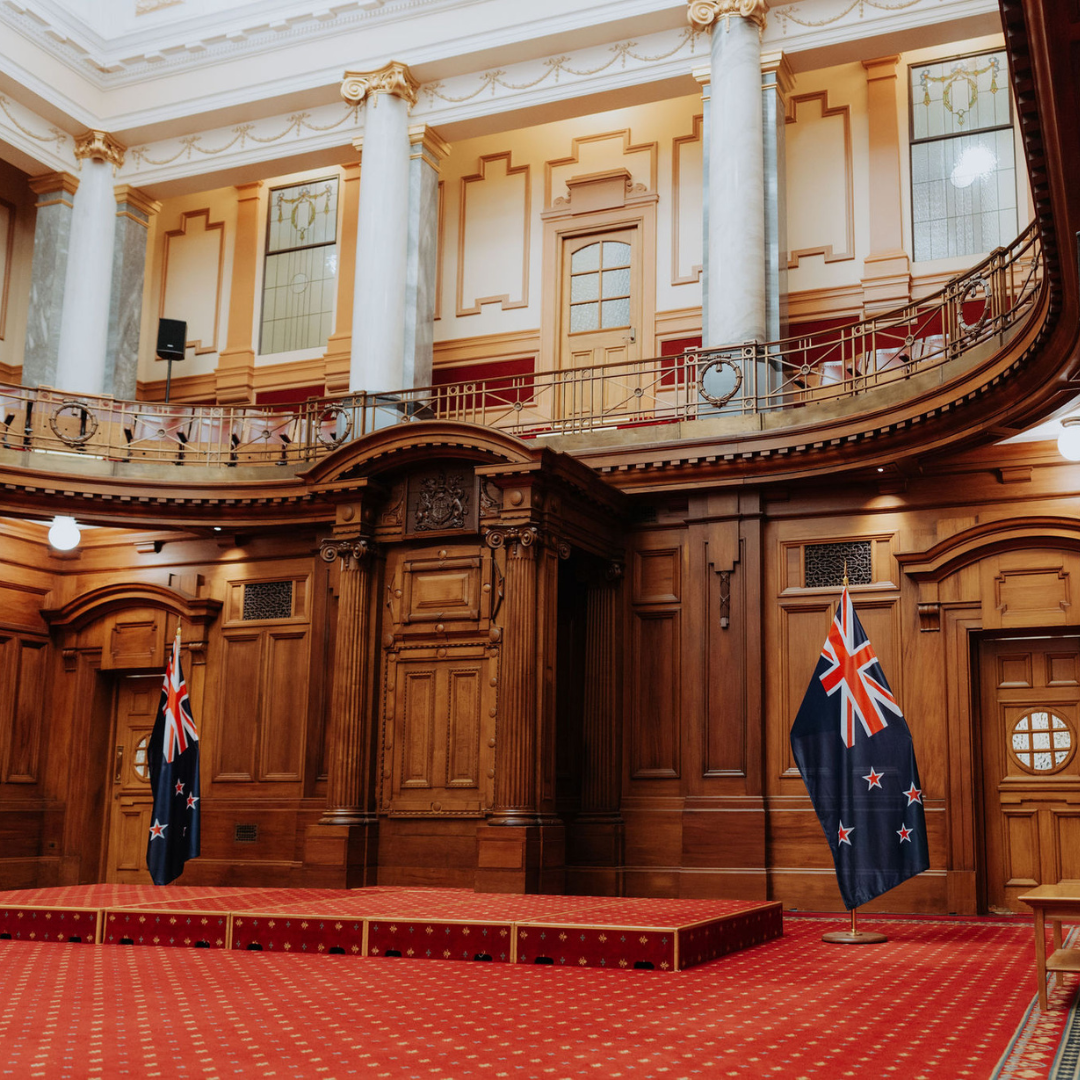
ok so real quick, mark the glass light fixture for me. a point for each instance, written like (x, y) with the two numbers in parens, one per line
(973, 164)
(1069, 439)
(64, 533)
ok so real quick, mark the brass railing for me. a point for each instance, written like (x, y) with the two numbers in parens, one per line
(980, 305)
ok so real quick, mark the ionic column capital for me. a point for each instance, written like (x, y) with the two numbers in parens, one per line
(394, 78)
(351, 551)
(99, 146)
(704, 14)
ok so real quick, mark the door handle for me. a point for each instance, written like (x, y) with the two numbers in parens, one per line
(119, 762)
(632, 335)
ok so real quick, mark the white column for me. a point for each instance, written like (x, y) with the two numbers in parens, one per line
(84, 323)
(736, 188)
(378, 336)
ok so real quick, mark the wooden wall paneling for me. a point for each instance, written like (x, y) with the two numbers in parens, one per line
(284, 704)
(655, 694)
(30, 704)
(548, 605)
(803, 626)
(1065, 840)
(463, 728)
(134, 638)
(238, 705)
(21, 601)
(323, 617)
(8, 650)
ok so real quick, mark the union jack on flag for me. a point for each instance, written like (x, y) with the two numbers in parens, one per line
(179, 723)
(173, 757)
(855, 674)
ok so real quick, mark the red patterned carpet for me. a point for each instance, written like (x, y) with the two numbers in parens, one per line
(940, 1001)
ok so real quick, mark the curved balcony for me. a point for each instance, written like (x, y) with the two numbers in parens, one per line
(798, 383)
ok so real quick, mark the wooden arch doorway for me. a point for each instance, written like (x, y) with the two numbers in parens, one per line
(113, 642)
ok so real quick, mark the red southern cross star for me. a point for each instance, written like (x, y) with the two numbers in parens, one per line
(191, 801)
(904, 833)
(913, 794)
(874, 779)
(845, 833)
(179, 787)
(157, 829)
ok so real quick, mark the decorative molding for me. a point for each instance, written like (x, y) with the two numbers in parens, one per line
(827, 111)
(525, 171)
(678, 278)
(97, 145)
(652, 148)
(703, 15)
(393, 78)
(204, 213)
(6, 210)
(58, 184)
(493, 347)
(351, 551)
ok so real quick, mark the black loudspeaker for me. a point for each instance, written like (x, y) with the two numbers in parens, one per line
(171, 336)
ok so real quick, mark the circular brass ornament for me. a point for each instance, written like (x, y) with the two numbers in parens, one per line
(88, 423)
(719, 363)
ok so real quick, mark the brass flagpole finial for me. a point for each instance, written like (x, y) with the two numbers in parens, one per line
(845, 574)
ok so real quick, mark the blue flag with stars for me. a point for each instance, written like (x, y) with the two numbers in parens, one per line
(856, 757)
(173, 756)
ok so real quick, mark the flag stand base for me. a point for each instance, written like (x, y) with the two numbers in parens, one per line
(854, 936)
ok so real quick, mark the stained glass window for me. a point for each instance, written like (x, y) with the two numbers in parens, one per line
(300, 278)
(963, 169)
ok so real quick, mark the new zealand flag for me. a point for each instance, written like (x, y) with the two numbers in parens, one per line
(854, 751)
(173, 756)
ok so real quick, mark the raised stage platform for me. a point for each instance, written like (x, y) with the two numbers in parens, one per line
(436, 924)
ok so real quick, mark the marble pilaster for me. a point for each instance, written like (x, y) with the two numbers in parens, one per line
(379, 302)
(133, 213)
(52, 236)
(777, 82)
(84, 322)
(421, 267)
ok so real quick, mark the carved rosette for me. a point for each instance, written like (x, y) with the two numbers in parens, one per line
(99, 146)
(395, 78)
(351, 550)
(703, 15)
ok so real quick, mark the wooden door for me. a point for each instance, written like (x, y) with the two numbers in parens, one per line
(1030, 710)
(601, 318)
(129, 819)
(442, 734)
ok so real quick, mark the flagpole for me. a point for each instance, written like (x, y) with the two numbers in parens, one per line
(854, 936)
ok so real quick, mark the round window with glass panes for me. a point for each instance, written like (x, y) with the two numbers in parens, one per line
(1042, 742)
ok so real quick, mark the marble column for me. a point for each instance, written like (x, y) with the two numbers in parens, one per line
(348, 793)
(81, 359)
(235, 375)
(886, 270)
(52, 237)
(515, 747)
(736, 193)
(427, 150)
(379, 303)
(133, 213)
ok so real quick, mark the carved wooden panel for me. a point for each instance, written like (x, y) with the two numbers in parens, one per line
(437, 590)
(128, 839)
(1066, 833)
(29, 667)
(655, 694)
(134, 639)
(1014, 669)
(463, 729)
(1028, 597)
(794, 560)
(417, 726)
(1022, 863)
(240, 608)
(657, 577)
(20, 605)
(1063, 669)
(238, 717)
(284, 704)
(440, 733)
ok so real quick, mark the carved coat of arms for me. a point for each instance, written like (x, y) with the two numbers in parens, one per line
(443, 503)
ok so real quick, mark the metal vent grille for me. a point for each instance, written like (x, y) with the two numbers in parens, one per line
(268, 600)
(823, 564)
(246, 834)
